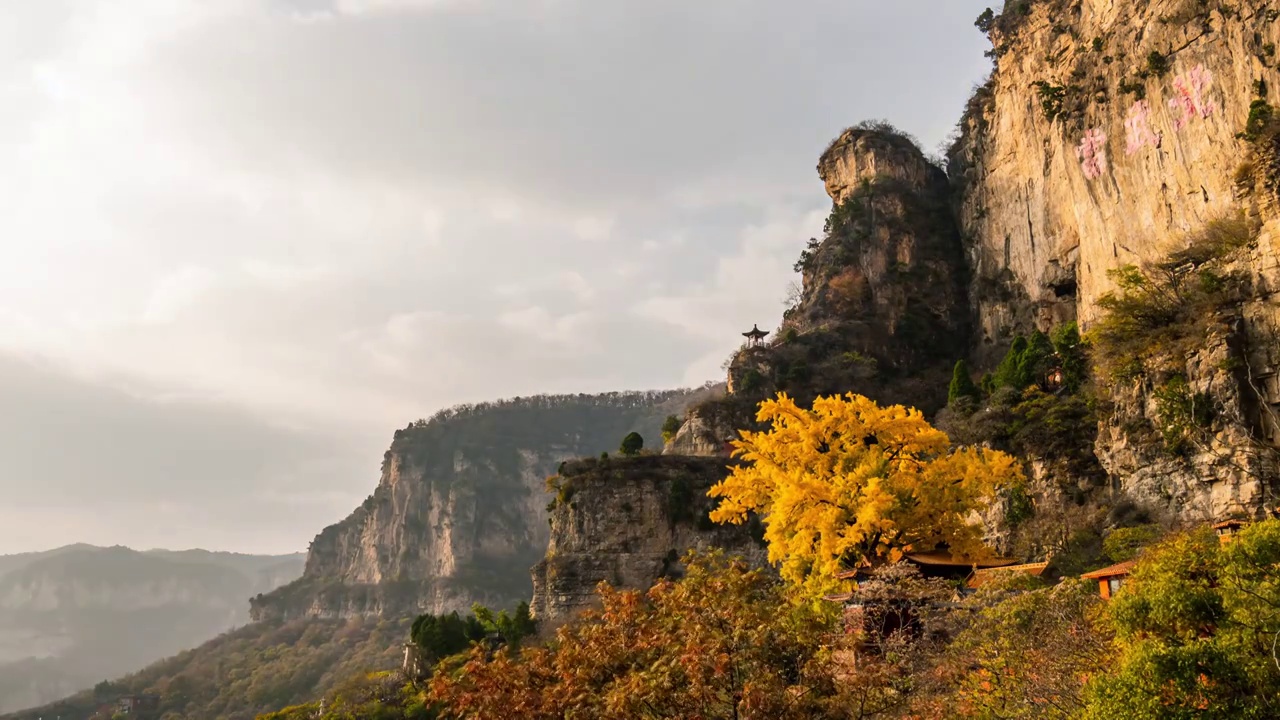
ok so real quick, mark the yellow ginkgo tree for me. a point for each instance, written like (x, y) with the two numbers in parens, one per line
(849, 482)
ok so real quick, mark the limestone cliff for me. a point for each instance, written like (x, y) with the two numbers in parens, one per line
(1108, 134)
(883, 308)
(628, 521)
(459, 514)
(1107, 131)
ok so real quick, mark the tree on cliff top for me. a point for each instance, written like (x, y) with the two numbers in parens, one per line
(851, 482)
(632, 444)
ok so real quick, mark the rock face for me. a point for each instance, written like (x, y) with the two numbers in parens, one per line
(628, 521)
(883, 308)
(459, 514)
(1108, 133)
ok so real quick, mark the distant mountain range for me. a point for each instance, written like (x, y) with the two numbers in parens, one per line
(79, 614)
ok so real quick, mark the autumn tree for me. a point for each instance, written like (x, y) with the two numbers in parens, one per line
(722, 642)
(1023, 651)
(849, 481)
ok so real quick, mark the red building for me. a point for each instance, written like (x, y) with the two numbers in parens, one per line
(1112, 578)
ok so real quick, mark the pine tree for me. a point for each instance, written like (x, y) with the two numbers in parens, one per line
(962, 385)
(1070, 347)
(1007, 371)
(1034, 362)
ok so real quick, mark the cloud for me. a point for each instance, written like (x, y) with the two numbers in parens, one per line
(334, 216)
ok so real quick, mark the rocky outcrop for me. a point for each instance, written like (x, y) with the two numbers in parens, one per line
(699, 437)
(1107, 135)
(459, 514)
(1229, 462)
(628, 522)
(1108, 131)
(882, 310)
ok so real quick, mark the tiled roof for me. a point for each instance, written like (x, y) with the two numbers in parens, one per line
(1111, 570)
(936, 559)
(983, 576)
(945, 558)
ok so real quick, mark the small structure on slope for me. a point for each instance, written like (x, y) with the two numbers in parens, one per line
(755, 336)
(1111, 578)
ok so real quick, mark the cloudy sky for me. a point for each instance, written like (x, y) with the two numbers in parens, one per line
(243, 240)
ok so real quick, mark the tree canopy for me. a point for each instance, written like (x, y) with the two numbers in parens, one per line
(849, 481)
(1196, 627)
(632, 444)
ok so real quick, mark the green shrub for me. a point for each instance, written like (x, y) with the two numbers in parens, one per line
(670, 427)
(751, 381)
(680, 500)
(1034, 362)
(1261, 115)
(1072, 356)
(1157, 63)
(1020, 507)
(632, 444)
(1181, 413)
(1125, 543)
(1052, 99)
(1162, 311)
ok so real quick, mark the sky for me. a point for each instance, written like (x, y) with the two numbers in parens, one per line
(242, 241)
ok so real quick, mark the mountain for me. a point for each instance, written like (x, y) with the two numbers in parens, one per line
(1116, 146)
(459, 515)
(73, 616)
(1141, 147)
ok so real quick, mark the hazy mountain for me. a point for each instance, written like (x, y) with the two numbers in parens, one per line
(73, 616)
